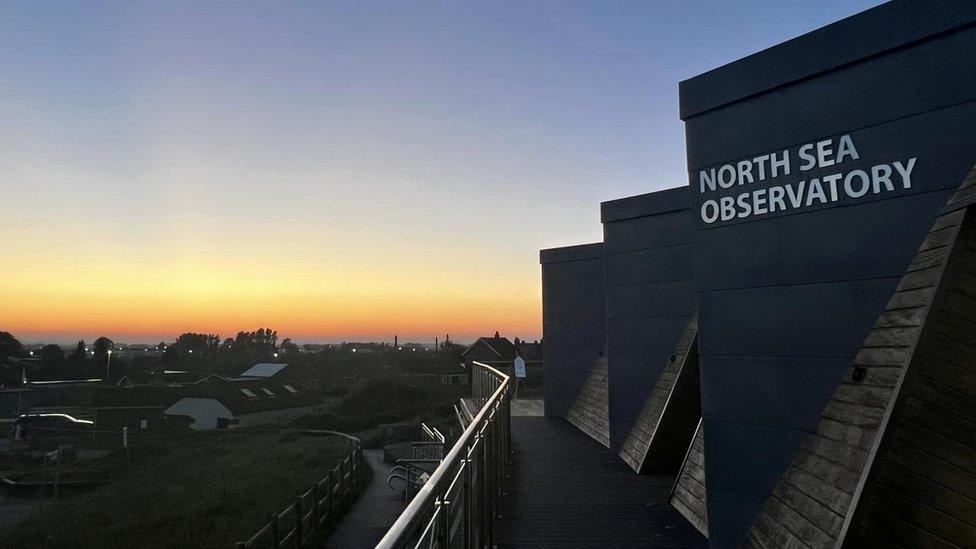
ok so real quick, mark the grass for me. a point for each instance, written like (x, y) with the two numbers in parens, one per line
(207, 489)
(385, 400)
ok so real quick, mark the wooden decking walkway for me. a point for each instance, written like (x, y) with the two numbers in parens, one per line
(567, 490)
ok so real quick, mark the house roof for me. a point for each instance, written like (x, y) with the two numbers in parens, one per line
(260, 396)
(530, 352)
(501, 346)
(211, 377)
(229, 395)
(506, 351)
(264, 369)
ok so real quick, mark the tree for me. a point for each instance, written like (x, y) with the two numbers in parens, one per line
(101, 347)
(52, 354)
(9, 346)
(79, 354)
(197, 344)
(258, 343)
(288, 347)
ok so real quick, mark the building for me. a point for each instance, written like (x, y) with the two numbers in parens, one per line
(242, 403)
(575, 337)
(813, 284)
(500, 352)
(264, 370)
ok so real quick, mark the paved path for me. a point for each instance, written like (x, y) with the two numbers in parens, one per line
(527, 407)
(373, 513)
(567, 490)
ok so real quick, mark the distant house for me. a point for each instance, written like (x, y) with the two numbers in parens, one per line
(243, 403)
(211, 378)
(205, 413)
(138, 407)
(494, 351)
(499, 352)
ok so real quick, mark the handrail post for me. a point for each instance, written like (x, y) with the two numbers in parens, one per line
(443, 531)
(480, 487)
(466, 504)
(486, 537)
(495, 477)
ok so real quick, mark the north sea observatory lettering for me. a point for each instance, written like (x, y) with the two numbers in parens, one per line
(769, 169)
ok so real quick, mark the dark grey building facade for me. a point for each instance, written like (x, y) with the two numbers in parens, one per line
(574, 333)
(649, 295)
(816, 169)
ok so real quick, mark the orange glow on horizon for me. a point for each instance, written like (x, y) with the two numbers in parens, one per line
(61, 299)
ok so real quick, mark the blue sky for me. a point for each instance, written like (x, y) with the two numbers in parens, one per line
(428, 140)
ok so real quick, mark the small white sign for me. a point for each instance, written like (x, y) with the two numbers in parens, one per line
(519, 367)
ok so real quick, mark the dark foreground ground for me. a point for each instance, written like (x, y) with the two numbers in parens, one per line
(567, 490)
(199, 489)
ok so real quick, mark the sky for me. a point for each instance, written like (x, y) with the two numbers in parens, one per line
(335, 170)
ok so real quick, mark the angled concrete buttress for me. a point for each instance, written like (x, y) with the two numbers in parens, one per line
(688, 495)
(893, 460)
(590, 412)
(666, 425)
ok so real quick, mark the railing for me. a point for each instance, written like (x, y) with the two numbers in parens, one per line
(426, 455)
(458, 505)
(293, 526)
(432, 447)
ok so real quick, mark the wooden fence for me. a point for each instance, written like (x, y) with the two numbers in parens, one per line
(294, 525)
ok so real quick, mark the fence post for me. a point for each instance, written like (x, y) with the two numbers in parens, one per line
(337, 490)
(274, 530)
(328, 492)
(315, 505)
(299, 515)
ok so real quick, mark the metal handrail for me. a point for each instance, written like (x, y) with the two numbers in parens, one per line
(458, 504)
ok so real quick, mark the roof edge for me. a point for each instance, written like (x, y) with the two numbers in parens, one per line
(866, 34)
(658, 202)
(579, 252)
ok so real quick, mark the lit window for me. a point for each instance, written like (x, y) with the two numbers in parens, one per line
(267, 391)
(248, 393)
(290, 389)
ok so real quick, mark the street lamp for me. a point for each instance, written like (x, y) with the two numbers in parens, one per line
(108, 363)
